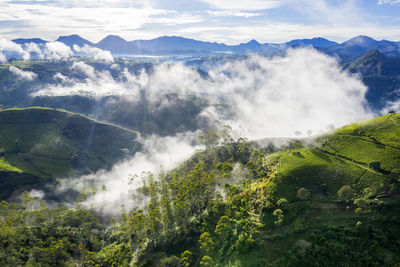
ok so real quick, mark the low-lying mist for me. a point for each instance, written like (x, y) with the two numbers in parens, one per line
(117, 187)
(304, 91)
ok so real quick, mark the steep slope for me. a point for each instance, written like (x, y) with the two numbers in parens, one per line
(380, 74)
(327, 201)
(349, 156)
(50, 143)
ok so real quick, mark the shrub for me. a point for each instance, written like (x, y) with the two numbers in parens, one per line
(303, 193)
(169, 261)
(278, 213)
(282, 202)
(345, 192)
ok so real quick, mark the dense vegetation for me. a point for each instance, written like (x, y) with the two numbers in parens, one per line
(331, 201)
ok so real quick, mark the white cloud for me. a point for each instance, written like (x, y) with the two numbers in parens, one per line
(97, 84)
(57, 51)
(84, 68)
(34, 48)
(392, 106)
(157, 153)
(96, 53)
(391, 2)
(91, 21)
(24, 75)
(60, 77)
(3, 59)
(11, 49)
(305, 90)
(230, 13)
(244, 5)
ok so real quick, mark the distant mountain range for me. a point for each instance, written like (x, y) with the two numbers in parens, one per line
(167, 45)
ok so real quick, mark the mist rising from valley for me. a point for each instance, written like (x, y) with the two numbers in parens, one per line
(304, 91)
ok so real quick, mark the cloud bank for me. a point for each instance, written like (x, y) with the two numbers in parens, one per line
(95, 53)
(303, 90)
(50, 50)
(119, 185)
(23, 75)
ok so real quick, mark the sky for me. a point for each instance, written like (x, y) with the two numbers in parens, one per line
(231, 22)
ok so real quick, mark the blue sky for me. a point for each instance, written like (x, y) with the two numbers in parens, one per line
(232, 21)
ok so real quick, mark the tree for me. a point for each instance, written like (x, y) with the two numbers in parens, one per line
(206, 242)
(282, 202)
(206, 261)
(186, 258)
(303, 193)
(210, 139)
(278, 213)
(222, 225)
(345, 193)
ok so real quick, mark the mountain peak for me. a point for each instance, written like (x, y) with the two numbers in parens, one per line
(73, 39)
(315, 42)
(253, 42)
(113, 38)
(361, 40)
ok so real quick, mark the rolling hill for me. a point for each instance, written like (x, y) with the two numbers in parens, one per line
(40, 144)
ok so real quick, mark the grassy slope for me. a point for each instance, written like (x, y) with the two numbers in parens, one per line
(54, 143)
(338, 159)
(331, 162)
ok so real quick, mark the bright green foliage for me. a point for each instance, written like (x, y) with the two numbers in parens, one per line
(206, 261)
(115, 255)
(186, 258)
(206, 242)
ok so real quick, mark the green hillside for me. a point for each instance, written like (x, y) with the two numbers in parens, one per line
(345, 157)
(48, 143)
(332, 200)
(329, 201)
